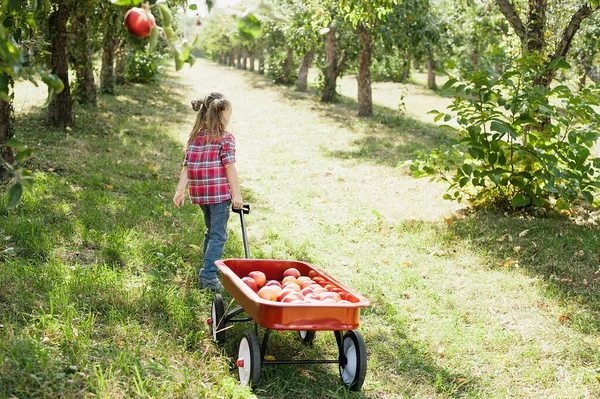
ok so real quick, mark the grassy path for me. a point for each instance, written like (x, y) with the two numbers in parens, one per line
(97, 293)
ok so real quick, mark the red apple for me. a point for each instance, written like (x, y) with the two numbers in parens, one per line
(307, 290)
(267, 293)
(284, 292)
(333, 295)
(139, 22)
(318, 279)
(329, 287)
(293, 296)
(289, 279)
(293, 286)
(313, 296)
(312, 274)
(273, 282)
(259, 277)
(292, 271)
(275, 288)
(249, 281)
(328, 300)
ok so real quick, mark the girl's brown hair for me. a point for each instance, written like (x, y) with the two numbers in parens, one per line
(210, 116)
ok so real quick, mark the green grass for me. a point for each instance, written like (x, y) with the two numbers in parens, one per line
(98, 269)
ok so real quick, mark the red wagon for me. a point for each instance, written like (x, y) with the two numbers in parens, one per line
(306, 318)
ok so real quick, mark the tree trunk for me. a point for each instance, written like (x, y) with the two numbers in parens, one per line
(121, 61)
(81, 56)
(330, 66)
(107, 72)
(60, 109)
(406, 71)
(239, 59)
(6, 132)
(231, 59)
(245, 61)
(287, 65)
(417, 64)
(252, 62)
(365, 96)
(302, 82)
(475, 56)
(592, 74)
(431, 73)
(261, 65)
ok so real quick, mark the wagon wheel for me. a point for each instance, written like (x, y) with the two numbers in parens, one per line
(218, 321)
(307, 336)
(248, 360)
(354, 369)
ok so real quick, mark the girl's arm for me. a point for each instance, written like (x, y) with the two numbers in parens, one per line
(179, 197)
(236, 194)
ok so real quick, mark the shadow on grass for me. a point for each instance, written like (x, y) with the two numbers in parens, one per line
(99, 235)
(388, 137)
(561, 251)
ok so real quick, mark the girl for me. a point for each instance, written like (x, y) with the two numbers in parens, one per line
(209, 166)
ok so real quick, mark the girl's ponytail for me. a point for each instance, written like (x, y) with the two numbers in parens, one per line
(210, 116)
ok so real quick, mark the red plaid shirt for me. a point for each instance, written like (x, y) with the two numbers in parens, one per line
(207, 180)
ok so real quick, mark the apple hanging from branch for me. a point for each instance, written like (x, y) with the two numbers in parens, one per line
(140, 21)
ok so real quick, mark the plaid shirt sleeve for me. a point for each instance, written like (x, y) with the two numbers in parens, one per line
(187, 156)
(228, 150)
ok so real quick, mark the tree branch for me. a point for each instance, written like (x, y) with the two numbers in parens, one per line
(573, 26)
(592, 74)
(341, 63)
(508, 9)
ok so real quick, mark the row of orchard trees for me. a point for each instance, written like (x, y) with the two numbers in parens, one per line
(522, 137)
(52, 40)
(380, 39)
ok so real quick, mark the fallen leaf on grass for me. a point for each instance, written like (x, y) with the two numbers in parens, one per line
(523, 233)
(108, 186)
(563, 319)
(167, 213)
(598, 378)
(195, 247)
(596, 275)
(449, 221)
(306, 374)
(269, 358)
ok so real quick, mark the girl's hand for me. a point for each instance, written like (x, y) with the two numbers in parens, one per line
(237, 201)
(179, 198)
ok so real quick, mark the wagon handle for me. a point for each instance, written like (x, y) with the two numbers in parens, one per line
(244, 209)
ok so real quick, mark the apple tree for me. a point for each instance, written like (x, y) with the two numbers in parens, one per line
(20, 40)
(366, 17)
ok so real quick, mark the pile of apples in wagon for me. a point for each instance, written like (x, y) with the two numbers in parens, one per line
(295, 288)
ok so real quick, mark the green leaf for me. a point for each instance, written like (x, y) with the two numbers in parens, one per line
(153, 39)
(589, 197)
(249, 27)
(193, 7)
(15, 144)
(24, 155)
(14, 194)
(165, 14)
(178, 62)
(209, 4)
(562, 205)
(468, 169)
(520, 200)
(53, 82)
(169, 32)
(559, 63)
(126, 2)
(185, 52)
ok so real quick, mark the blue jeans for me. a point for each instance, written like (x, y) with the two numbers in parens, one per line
(216, 217)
